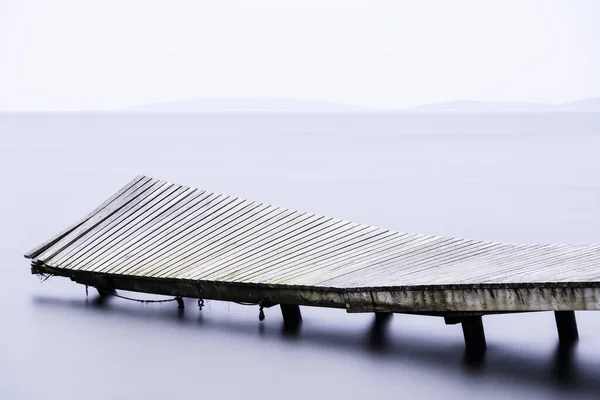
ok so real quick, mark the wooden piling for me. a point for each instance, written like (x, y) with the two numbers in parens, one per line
(474, 336)
(105, 292)
(566, 325)
(292, 317)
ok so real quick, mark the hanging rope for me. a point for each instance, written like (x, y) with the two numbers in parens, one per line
(261, 313)
(137, 300)
(179, 300)
(244, 303)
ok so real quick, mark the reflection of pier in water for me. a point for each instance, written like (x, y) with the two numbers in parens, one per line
(157, 237)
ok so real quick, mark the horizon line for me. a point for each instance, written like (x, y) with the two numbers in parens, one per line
(352, 108)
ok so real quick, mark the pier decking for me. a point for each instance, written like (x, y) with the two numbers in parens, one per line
(157, 237)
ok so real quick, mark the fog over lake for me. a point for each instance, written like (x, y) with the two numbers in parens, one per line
(519, 178)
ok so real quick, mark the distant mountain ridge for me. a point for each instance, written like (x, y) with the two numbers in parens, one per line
(462, 106)
(251, 104)
(275, 104)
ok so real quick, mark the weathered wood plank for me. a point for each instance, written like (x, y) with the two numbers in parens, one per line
(33, 253)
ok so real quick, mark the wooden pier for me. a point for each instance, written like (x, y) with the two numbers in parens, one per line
(157, 237)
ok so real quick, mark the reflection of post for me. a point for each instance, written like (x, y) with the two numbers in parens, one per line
(292, 318)
(474, 334)
(567, 327)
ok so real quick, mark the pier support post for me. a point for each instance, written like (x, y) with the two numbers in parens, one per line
(377, 334)
(566, 325)
(292, 318)
(180, 304)
(382, 318)
(474, 334)
(106, 292)
(104, 295)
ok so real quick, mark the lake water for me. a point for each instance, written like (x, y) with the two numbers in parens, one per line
(513, 178)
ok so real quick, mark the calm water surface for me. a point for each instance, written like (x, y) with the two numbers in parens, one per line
(514, 178)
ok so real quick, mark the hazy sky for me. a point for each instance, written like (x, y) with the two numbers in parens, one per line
(73, 54)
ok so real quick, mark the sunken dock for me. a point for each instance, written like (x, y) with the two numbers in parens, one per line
(161, 238)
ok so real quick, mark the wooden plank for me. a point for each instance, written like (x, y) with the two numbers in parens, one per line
(136, 190)
(50, 242)
(163, 230)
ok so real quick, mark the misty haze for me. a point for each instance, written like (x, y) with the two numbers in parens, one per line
(270, 104)
(477, 122)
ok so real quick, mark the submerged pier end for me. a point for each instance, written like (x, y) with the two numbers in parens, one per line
(157, 237)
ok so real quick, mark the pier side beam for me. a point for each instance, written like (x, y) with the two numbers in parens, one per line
(474, 334)
(567, 327)
(292, 318)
